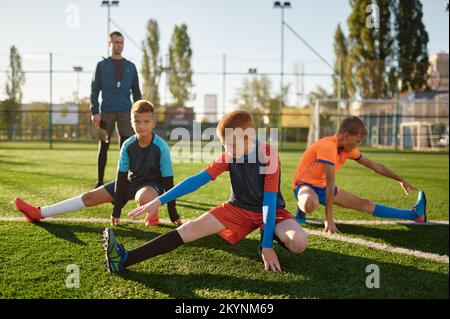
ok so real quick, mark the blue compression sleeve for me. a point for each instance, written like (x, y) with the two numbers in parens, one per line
(189, 185)
(269, 215)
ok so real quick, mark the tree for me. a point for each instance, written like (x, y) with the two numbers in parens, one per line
(180, 70)
(370, 48)
(255, 95)
(15, 80)
(151, 64)
(15, 76)
(342, 80)
(384, 42)
(412, 41)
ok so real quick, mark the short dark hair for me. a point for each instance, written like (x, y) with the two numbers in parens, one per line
(235, 119)
(116, 33)
(142, 106)
(353, 125)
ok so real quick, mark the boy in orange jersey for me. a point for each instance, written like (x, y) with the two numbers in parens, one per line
(314, 180)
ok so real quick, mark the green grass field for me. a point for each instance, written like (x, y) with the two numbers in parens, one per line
(33, 258)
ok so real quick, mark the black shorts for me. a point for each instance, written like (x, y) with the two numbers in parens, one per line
(121, 121)
(132, 189)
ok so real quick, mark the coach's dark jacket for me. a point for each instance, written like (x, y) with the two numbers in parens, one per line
(114, 99)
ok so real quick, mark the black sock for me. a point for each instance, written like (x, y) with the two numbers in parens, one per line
(157, 246)
(122, 139)
(278, 240)
(102, 158)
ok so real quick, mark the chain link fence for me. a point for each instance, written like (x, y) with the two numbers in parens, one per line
(415, 121)
(420, 124)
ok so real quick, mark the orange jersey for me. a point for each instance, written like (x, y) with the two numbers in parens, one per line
(311, 169)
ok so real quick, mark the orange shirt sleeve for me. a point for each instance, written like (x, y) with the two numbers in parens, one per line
(326, 153)
(354, 155)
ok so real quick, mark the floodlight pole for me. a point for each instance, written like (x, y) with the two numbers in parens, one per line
(282, 6)
(108, 5)
(50, 105)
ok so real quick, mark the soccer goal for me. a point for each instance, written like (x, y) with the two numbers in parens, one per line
(404, 123)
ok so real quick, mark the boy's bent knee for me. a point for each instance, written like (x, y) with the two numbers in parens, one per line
(144, 196)
(309, 206)
(298, 245)
(141, 200)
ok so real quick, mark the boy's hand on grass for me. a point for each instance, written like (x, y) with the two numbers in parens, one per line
(330, 227)
(269, 256)
(115, 221)
(150, 207)
(407, 187)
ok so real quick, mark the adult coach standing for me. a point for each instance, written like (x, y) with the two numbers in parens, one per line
(115, 77)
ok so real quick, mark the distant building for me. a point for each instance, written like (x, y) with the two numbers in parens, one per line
(438, 72)
(422, 121)
(210, 109)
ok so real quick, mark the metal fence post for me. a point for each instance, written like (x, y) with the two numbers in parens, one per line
(50, 106)
(397, 106)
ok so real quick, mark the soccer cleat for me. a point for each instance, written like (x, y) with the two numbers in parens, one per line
(154, 221)
(31, 213)
(115, 253)
(300, 217)
(420, 208)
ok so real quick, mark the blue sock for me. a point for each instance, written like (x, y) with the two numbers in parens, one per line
(390, 212)
(300, 216)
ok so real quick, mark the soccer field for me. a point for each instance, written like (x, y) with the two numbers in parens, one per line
(413, 259)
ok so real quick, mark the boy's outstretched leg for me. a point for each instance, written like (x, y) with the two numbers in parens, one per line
(417, 213)
(117, 258)
(92, 198)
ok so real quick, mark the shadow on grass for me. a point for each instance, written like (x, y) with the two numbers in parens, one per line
(206, 206)
(317, 273)
(65, 231)
(427, 238)
(195, 207)
(20, 163)
(69, 231)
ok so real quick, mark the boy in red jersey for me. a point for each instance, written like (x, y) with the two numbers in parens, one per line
(256, 202)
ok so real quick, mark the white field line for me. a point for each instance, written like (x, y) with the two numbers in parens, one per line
(167, 221)
(379, 246)
(80, 220)
(338, 237)
(378, 222)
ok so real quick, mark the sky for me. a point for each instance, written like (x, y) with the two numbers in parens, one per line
(247, 32)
